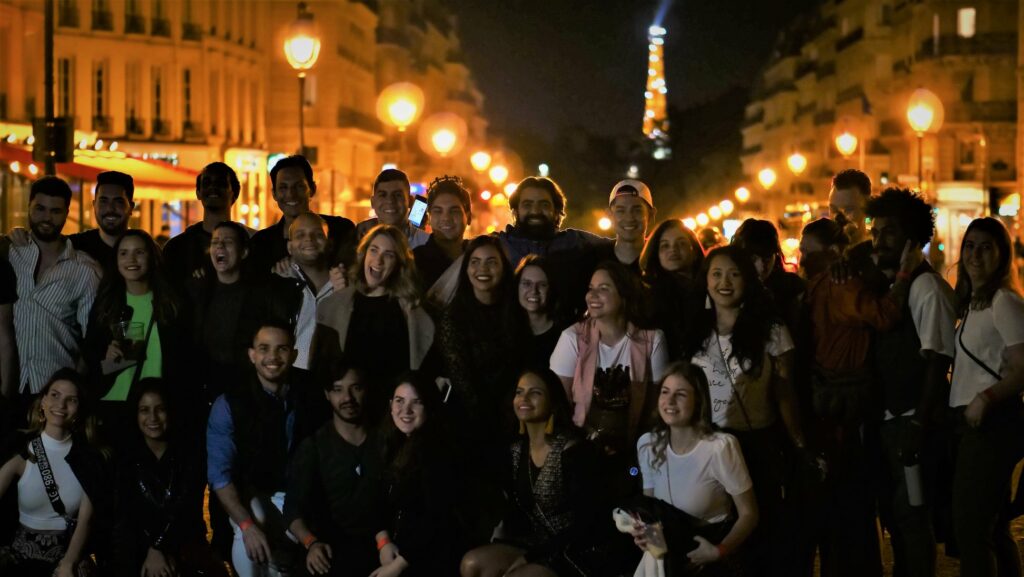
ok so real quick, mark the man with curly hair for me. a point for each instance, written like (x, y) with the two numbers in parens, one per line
(910, 364)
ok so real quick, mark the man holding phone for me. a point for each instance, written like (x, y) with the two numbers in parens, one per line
(390, 202)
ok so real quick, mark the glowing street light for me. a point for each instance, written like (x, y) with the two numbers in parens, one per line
(443, 134)
(715, 213)
(742, 194)
(846, 143)
(727, 207)
(690, 223)
(767, 178)
(797, 163)
(400, 105)
(605, 223)
(301, 49)
(510, 188)
(925, 113)
(702, 219)
(498, 174)
(480, 160)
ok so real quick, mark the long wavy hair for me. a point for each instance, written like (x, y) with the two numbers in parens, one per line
(701, 422)
(558, 401)
(760, 238)
(554, 302)
(650, 263)
(111, 297)
(84, 423)
(402, 283)
(154, 386)
(631, 292)
(757, 315)
(1005, 275)
(464, 304)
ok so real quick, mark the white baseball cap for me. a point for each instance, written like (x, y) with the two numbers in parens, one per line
(632, 188)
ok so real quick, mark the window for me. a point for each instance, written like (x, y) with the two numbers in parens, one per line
(966, 152)
(213, 90)
(133, 90)
(158, 100)
(187, 95)
(99, 90)
(65, 85)
(965, 22)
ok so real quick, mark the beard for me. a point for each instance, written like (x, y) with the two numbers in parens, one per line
(116, 230)
(45, 236)
(355, 409)
(536, 227)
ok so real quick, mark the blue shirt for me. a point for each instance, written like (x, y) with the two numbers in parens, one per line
(220, 439)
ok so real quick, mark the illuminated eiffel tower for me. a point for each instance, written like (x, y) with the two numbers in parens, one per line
(656, 95)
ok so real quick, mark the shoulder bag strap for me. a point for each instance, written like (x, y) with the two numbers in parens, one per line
(735, 392)
(145, 348)
(970, 355)
(49, 482)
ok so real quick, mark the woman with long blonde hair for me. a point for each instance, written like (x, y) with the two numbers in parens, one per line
(58, 483)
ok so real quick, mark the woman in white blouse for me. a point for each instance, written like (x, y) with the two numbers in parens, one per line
(988, 379)
(685, 462)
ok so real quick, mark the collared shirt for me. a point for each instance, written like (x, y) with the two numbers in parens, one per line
(221, 449)
(305, 324)
(50, 317)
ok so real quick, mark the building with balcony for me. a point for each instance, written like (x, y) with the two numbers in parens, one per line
(851, 67)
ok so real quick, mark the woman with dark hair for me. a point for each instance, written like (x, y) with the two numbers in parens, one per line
(54, 457)
(686, 462)
(746, 353)
(608, 363)
(553, 507)
(483, 335)
(988, 379)
(760, 239)
(159, 527)
(137, 329)
(671, 262)
(541, 303)
(377, 320)
(422, 531)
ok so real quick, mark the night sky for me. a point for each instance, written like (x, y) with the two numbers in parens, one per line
(545, 64)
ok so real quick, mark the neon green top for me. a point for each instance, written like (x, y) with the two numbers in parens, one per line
(142, 312)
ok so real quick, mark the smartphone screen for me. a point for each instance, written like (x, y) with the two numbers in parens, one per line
(418, 213)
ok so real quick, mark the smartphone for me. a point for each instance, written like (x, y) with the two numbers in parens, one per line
(418, 212)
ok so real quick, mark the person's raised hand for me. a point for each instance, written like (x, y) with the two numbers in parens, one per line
(911, 258)
(338, 278)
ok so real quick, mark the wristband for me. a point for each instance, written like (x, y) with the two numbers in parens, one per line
(902, 275)
(987, 396)
(382, 542)
(722, 550)
(309, 541)
(244, 525)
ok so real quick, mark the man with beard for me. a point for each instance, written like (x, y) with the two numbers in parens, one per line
(293, 188)
(538, 208)
(56, 288)
(390, 202)
(217, 188)
(910, 364)
(334, 483)
(251, 435)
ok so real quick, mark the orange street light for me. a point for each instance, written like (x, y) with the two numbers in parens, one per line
(702, 219)
(301, 49)
(690, 223)
(498, 174)
(715, 212)
(604, 223)
(767, 178)
(797, 163)
(400, 105)
(727, 207)
(742, 194)
(846, 143)
(443, 134)
(925, 113)
(480, 160)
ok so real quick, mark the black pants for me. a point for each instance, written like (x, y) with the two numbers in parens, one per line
(913, 536)
(985, 458)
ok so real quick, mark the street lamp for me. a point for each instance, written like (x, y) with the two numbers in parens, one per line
(727, 207)
(498, 174)
(399, 105)
(742, 194)
(925, 114)
(846, 143)
(797, 163)
(767, 178)
(702, 219)
(690, 223)
(443, 134)
(480, 160)
(302, 48)
(715, 212)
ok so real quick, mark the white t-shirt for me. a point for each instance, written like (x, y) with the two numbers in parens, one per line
(931, 306)
(754, 390)
(34, 508)
(566, 353)
(987, 334)
(699, 482)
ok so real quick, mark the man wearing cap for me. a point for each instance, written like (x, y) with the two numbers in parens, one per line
(631, 209)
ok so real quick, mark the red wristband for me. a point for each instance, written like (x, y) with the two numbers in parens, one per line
(382, 542)
(309, 540)
(245, 524)
(722, 550)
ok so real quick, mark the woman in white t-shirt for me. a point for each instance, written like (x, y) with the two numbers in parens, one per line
(746, 354)
(686, 463)
(988, 379)
(42, 545)
(608, 364)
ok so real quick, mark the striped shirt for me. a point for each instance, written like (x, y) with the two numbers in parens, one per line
(50, 317)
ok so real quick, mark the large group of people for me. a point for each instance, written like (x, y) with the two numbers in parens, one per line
(374, 400)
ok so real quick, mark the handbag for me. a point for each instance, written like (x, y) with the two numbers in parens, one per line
(86, 567)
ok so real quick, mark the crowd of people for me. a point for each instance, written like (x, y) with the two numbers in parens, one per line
(374, 400)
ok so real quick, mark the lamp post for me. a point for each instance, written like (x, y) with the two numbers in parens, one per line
(443, 134)
(480, 160)
(302, 48)
(767, 178)
(742, 194)
(498, 174)
(400, 105)
(925, 114)
(846, 143)
(797, 163)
